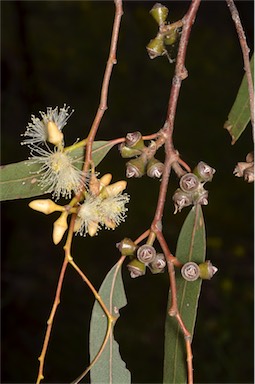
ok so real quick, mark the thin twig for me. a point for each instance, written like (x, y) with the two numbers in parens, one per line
(56, 302)
(245, 50)
(50, 321)
(105, 87)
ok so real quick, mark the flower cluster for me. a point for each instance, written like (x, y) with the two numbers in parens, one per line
(58, 173)
(107, 209)
(104, 208)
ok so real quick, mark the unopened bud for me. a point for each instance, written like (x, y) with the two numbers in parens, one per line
(190, 271)
(92, 228)
(156, 47)
(55, 136)
(134, 140)
(105, 179)
(204, 172)
(155, 168)
(159, 12)
(249, 174)
(240, 168)
(113, 189)
(189, 182)
(207, 270)
(110, 224)
(181, 199)
(128, 152)
(146, 254)
(250, 157)
(59, 228)
(45, 206)
(127, 247)
(158, 265)
(136, 268)
(136, 167)
(171, 37)
(201, 197)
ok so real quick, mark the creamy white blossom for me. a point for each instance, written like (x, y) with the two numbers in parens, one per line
(96, 212)
(88, 215)
(113, 210)
(58, 173)
(37, 130)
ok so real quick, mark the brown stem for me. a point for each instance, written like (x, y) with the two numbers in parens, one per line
(172, 158)
(179, 76)
(245, 50)
(56, 301)
(104, 92)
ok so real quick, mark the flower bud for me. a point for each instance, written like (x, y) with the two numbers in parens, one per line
(136, 268)
(55, 136)
(156, 47)
(181, 199)
(105, 180)
(128, 152)
(94, 185)
(240, 168)
(45, 206)
(249, 174)
(110, 224)
(136, 167)
(127, 247)
(155, 168)
(159, 12)
(59, 228)
(250, 157)
(134, 140)
(158, 265)
(113, 189)
(204, 172)
(171, 37)
(92, 228)
(189, 182)
(207, 270)
(146, 254)
(201, 197)
(190, 271)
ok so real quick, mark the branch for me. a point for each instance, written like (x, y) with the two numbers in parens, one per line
(104, 92)
(180, 74)
(245, 50)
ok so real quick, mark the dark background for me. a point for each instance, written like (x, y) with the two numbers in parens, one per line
(54, 52)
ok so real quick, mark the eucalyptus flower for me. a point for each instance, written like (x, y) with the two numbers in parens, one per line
(37, 130)
(96, 212)
(58, 173)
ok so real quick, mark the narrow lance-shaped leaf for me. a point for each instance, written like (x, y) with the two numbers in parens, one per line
(109, 368)
(240, 114)
(20, 180)
(190, 247)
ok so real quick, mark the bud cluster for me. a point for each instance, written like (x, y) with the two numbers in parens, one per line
(167, 34)
(191, 271)
(246, 169)
(191, 189)
(141, 257)
(141, 161)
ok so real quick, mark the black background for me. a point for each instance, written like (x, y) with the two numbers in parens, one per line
(54, 52)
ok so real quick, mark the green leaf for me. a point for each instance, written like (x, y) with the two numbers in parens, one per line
(240, 114)
(190, 247)
(109, 368)
(19, 180)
